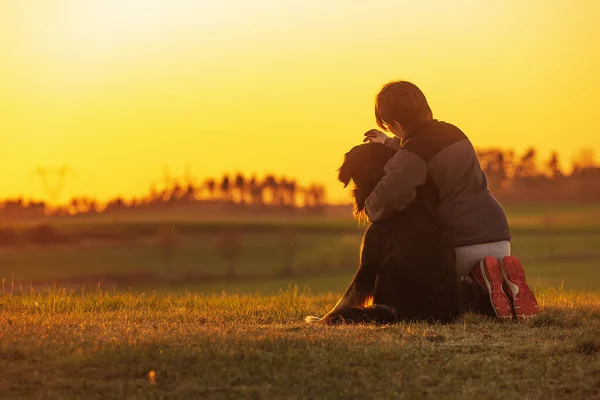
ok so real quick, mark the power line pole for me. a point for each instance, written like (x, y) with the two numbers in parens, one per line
(53, 180)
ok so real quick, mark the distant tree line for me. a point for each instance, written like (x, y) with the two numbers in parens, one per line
(513, 178)
(231, 191)
(525, 178)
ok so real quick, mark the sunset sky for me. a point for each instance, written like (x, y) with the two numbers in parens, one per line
(117, 89)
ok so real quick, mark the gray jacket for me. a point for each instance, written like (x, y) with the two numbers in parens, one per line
(443, 151)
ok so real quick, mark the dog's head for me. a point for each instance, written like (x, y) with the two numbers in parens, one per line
(364, 165)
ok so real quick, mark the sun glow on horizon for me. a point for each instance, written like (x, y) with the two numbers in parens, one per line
(118, 89)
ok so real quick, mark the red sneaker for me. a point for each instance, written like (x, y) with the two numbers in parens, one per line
(523, 300)
(489, 275)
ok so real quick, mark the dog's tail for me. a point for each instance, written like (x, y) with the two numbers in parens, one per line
(378, 314)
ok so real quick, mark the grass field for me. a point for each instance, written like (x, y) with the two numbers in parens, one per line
(568, 259)
(558, 245)
(176, 337)
(134, 346)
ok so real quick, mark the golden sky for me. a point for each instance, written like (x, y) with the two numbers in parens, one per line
(117, 89)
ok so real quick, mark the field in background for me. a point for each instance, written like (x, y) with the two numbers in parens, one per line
(557, 244)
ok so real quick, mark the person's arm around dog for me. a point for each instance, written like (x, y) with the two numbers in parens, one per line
(402, 175)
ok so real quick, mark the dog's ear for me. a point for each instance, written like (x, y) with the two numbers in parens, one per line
(345, 171)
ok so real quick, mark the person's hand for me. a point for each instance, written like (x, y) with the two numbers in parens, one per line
(375, 136)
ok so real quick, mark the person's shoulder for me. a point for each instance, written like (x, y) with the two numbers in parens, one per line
(436, 138)
(447, 130)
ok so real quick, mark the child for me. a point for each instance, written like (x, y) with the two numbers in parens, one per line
(427, 147)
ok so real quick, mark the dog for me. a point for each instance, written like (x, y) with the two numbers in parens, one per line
(407, 262)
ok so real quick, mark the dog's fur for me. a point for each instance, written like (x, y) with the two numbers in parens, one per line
(407, 262)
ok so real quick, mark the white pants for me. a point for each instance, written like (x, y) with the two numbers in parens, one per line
(468, 257)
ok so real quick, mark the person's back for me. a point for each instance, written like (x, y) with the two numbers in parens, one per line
(466, 204)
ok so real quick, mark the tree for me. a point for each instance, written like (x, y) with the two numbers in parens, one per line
(553, 166)
(320, 195)
(189, 194)
(584, 160)
(314, 197)
(240, 187)
(527, 166)
(225, 188)
(154, 193)
(269, 186)
(493, 164)
(292, 192)
(287, 192)
(190, 188)
(75, 205)
(174, 192)
(309, 199)
(93, 206)
(256, 191)
(210, 185)
(281, 191)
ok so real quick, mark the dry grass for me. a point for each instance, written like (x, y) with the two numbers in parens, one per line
(127, 345)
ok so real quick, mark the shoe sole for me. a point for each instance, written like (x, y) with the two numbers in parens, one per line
(521, 296)
(491, 271)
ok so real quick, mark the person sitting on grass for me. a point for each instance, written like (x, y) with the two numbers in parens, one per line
(480, 231)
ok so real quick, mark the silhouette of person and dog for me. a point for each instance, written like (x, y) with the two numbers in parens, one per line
(438, 241)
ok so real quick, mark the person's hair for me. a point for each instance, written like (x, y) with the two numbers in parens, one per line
(403, 102)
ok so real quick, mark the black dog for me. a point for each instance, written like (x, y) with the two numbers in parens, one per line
(407, 262)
